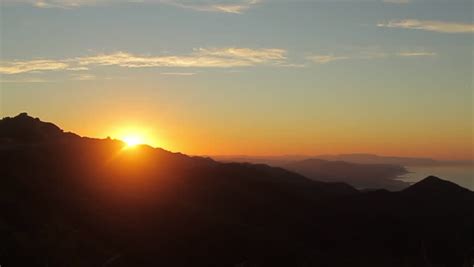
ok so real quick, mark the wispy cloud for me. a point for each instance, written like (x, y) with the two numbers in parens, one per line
(64, 4)
(370, 53)
(234, 7)
(416, 54)
(323, 59)
(218, 58)
(253, 55)
(57, 4)
(430, 25)
(223, 6)
(200, 58)
(15, 67)
(78, 68)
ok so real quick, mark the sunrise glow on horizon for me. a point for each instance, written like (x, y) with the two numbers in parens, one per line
(133, 136)
(235, 77)
(132, 141)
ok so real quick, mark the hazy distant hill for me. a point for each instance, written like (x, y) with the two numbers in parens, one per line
(270, 160)
(66, 200)
(362, 176)
(375, 159)
(363, 171)
(359, 158)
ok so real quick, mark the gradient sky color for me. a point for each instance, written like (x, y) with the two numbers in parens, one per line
(249, 77)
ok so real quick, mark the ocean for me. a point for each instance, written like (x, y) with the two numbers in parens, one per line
(461, 175)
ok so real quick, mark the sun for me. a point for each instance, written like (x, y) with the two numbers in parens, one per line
(132, 140)
(133, 136)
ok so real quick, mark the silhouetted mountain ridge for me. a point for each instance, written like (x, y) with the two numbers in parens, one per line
(435, 185)
(74, 201)
(26, 129)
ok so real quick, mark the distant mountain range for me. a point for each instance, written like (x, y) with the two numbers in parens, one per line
(67, 200)
(403, 161)
(359, 158)
(362, 176)
(363, 171)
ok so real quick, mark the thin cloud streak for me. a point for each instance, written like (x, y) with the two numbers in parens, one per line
(200, 58)
(64, 4)
(123, 59)
(323, 59)
(218, 58)
(233, 7)
(430, 25)
(368, 55)
(254, 55)
(78, 68)
(416, 54)
(15, 67)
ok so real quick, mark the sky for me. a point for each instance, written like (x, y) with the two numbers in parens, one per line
(254, 77)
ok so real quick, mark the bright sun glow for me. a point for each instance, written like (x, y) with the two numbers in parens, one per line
(133, 136)
(132, 140)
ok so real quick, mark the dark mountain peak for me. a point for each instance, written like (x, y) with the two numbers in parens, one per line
(432, 179)
(435, 185)
(26, 129)
(23, 115)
